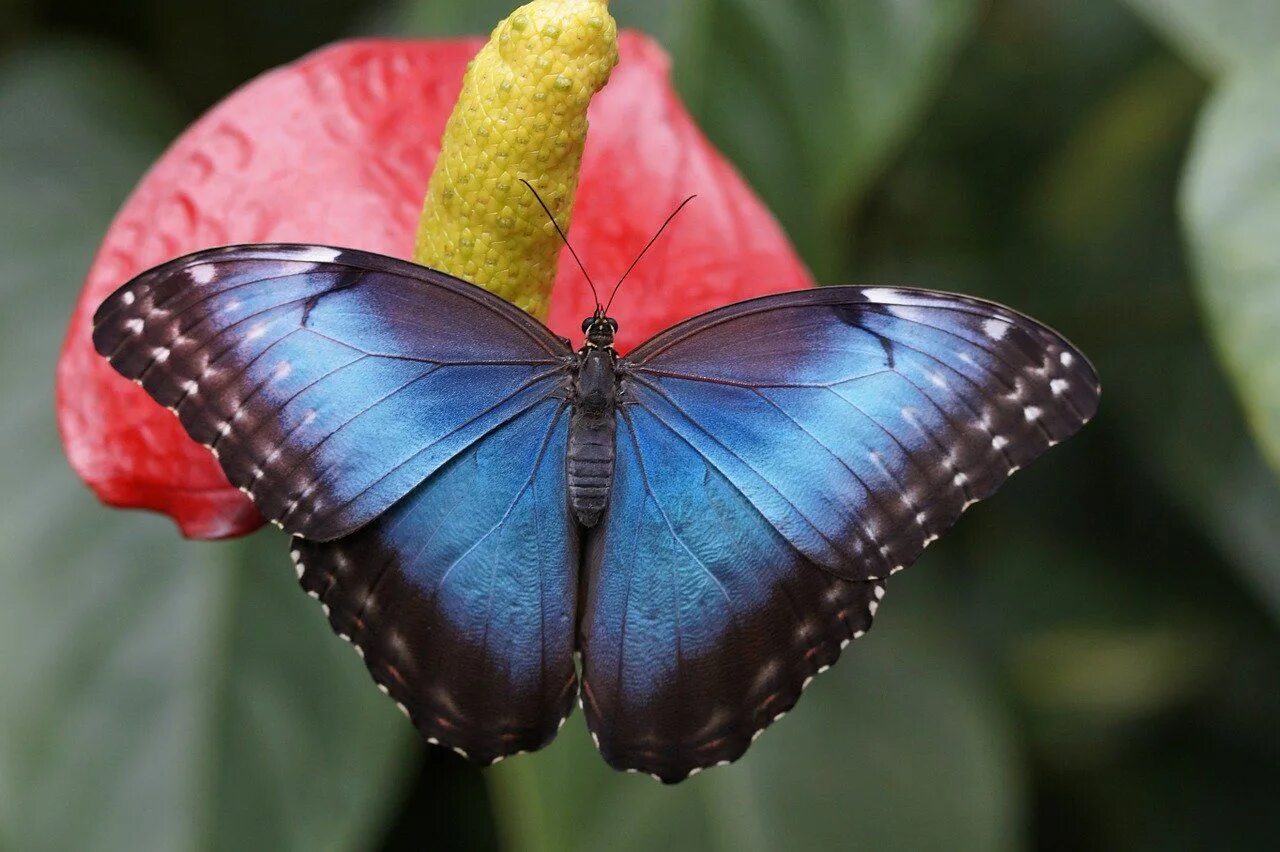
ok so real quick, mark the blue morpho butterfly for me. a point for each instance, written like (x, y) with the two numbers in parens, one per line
(705, 523)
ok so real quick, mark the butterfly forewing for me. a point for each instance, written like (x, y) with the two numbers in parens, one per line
(329, 382)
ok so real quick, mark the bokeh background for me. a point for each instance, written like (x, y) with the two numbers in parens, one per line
(1090, 660)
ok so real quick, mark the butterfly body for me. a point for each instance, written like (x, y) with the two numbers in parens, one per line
(593, 427)
(705, 522)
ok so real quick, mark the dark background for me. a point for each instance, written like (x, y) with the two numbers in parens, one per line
(1090, 660)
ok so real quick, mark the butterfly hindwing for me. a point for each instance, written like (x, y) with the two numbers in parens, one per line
(778, 459)
(329, 382)
(461, 598)
(701, 623)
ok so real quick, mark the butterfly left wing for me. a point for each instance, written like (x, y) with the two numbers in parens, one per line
(461, 598)
(777, 461)
(410, 427)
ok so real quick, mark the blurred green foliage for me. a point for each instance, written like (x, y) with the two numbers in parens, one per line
(1220, 37)
(1090, 660)
(1232, 211)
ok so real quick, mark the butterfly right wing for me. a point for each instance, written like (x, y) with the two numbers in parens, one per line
(778, 459)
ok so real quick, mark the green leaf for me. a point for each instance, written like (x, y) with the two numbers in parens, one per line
(898, 747)
(207, 49)
(1200, 452)
(811, 100)
(154, 693)
(1218, 36)
(1231, 210)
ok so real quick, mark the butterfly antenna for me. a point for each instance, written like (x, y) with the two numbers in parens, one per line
(645, 250)
(594, 294)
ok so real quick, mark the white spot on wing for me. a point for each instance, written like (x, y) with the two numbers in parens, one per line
(1059, 386)
(995, 329)
(127, 298)
(318, 254)
(878, 294)
(202, 274)
(1067, 359)
(908, 312)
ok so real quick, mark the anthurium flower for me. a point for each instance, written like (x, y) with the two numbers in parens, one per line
(338, 148)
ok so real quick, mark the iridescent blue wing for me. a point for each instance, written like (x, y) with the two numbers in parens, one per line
(410, 428)
(329, 382)
(461, 598)
(778, 459)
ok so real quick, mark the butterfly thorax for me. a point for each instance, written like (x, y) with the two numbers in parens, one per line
(591, 431)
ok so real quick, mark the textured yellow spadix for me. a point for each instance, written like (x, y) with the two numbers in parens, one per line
(522, 114)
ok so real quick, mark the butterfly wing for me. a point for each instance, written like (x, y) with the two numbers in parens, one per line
(410, 429)
(778, 459)
(329, 382)
(461, 598)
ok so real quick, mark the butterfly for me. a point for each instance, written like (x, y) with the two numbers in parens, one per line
(501, 523)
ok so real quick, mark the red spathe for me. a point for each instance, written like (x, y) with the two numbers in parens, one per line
(337, 149)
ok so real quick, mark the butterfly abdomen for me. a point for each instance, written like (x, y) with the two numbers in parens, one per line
(591, 435)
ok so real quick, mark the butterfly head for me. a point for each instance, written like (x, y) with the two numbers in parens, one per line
(599, 327)
(599, 330)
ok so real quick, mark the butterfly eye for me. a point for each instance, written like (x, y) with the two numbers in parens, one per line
(586, 324)
(613, 323)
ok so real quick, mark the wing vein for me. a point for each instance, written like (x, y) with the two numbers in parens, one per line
(546, 441)
(694, 421)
